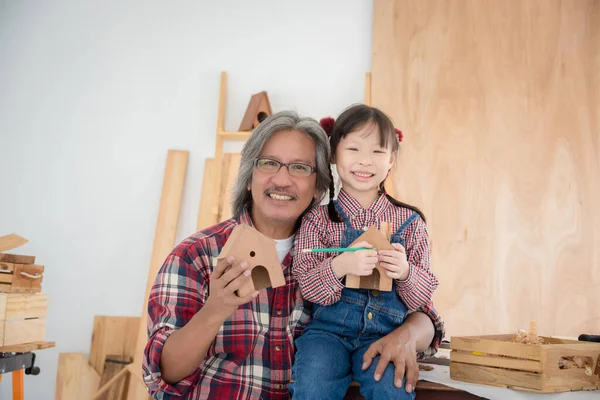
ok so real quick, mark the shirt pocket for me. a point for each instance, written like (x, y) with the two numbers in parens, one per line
(239, 336)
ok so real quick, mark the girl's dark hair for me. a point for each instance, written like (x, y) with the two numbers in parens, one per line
(352, 119)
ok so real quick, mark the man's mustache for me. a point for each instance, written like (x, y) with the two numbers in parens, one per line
(281, 192)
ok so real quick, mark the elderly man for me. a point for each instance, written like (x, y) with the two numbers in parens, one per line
(204, 340)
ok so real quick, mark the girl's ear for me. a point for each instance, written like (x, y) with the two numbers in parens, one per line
(392, 161)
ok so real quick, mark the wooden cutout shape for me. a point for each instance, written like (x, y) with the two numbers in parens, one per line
(258, 109)
(259, 251)
(8, 242)
(378, 280)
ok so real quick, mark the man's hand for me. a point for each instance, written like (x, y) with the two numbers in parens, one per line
(397, 347)
(227, 277)
(394, 262)
(360, 262)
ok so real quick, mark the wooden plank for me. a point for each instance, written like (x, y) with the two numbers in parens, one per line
(498, 347)
(164, 241)
(368, 88)
(113, 364)
(209, 198)
(26, 347)
(231, 166)
(76, 378)
(496, 361)
(11, 241)
(17, 258)
(494, 376)
(112, 335)
(215, 175)
(115, 379)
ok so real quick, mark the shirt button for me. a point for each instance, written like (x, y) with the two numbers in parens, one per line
(278, 386)
(279, 348)
(370, 316)
(279, 312)
(375, 292)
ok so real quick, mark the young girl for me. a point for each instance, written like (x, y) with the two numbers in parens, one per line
(344, 323)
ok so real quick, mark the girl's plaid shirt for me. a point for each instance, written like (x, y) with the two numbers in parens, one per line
(320, 285)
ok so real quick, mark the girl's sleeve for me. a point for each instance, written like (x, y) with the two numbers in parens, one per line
(416, 291)
(318, 283)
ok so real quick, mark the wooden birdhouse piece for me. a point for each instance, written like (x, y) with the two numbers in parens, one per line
(258, 109)
(259, 251)
(379, 239)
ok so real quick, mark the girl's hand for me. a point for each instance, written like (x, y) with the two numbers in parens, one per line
(394, 262)
(360, 262)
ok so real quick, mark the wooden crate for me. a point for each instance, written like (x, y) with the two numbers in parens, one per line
(21, 277)
(493, 360)
(22, 318)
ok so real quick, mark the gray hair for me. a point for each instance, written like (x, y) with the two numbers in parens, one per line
(281, 121)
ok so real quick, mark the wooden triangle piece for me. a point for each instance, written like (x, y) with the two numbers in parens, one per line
(8, 242)
(378, 279)
(258, 109)
(259, 251)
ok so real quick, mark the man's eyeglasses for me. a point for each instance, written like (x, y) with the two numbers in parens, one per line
(271, 166)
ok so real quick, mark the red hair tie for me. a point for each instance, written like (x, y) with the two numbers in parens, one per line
(327, 125)
(399, 134)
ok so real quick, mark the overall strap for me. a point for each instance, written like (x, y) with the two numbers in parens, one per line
(342, 214)
(406, 223)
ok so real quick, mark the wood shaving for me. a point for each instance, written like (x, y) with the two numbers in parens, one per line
(524, 337)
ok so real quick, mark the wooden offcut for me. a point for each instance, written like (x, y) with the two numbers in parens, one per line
(22, 318)
(494, 360)
(164, 241)
(378, 279)
(11, 241)
(17, 258)
(76, 378)
(113, 335)
(113, 364)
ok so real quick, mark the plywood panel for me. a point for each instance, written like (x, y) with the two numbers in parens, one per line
(499, 105)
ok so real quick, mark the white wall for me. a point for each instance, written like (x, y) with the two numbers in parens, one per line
(93, 94)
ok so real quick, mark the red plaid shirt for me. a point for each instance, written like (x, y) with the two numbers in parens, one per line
(314, 272)
(251, 356)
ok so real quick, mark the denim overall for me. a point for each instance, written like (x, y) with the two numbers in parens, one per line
(331, 348)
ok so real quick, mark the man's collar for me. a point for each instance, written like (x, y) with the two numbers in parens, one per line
(245, 218)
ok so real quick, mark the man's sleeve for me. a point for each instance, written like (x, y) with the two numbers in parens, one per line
(438, 325)
(179, 291)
